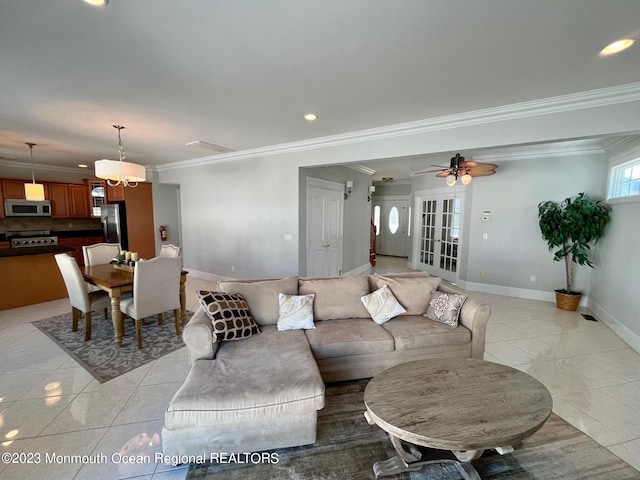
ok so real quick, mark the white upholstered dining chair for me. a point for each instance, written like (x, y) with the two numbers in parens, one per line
(99, 254)
(156, 289)
(82, 301)
(169, 250)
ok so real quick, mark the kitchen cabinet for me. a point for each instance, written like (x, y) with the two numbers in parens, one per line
(116, 193)
(141, 232)
(99, 193)
(13, 189)
(78, 201)
(76, 243)
(59, 198)
(68, 200)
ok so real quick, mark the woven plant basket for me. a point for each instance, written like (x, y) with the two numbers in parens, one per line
(567, 302)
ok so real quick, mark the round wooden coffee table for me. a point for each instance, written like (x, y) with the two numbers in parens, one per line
(462, 405)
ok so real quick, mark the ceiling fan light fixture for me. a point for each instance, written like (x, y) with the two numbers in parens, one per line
(451, 180)
(466, 179)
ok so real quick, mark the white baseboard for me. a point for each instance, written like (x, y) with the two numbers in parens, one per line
(515, 292)
(358, 271)
(630, 337)
(211, 277)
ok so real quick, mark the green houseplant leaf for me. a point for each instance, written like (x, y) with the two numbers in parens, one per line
(571, 227)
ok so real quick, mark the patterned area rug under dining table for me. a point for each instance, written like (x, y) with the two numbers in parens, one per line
(100, 356)
(347, 447)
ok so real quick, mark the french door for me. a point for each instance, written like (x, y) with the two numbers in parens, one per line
(439, 234)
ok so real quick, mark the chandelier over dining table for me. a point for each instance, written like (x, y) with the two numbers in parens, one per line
(117, 172)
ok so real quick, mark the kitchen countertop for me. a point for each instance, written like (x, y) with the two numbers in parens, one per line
(18, 252)
(76, 233)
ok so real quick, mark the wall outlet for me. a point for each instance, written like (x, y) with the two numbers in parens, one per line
(485, 236)
(288, 237)
(483, 273)
(233, 268)
(532, 279)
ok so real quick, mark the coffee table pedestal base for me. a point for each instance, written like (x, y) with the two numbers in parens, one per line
(395, 466)
(411, 460)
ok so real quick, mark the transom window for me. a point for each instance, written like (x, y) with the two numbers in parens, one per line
(625, 180)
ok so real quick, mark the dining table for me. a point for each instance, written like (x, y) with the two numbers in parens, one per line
(116, 280)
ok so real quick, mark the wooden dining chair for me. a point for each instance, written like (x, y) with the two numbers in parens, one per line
(169, 250)
(82, 301)
(156, 289)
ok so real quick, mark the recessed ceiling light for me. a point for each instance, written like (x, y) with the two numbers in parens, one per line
(82, 165)
(310, 116)
(617, 46)
(97, 3)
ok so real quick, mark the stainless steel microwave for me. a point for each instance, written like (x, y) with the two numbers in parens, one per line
(27, 208)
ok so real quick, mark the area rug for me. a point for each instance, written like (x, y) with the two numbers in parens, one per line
(347, 447)
(100, 356)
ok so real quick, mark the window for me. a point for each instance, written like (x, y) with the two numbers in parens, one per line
(376, 219)
(394, 220)
(625, 180)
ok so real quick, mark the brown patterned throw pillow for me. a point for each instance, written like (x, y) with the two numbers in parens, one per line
(445, 308)
(229, 314)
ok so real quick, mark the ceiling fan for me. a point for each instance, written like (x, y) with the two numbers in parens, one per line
(460, 168)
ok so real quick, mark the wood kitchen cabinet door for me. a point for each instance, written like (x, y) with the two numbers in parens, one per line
(13, 189)
(1, 201)
(78, 201)
(115, 193)
(59, 197)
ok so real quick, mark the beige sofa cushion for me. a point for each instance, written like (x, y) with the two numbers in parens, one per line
(413, 293)
(373, 279)
(417, 332)
(336, 297)
(263, 377)
(262, 296)
(355, 336)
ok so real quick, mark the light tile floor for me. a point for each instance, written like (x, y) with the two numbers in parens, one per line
(51, 406)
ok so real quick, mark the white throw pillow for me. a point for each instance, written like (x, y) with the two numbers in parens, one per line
(295, 312)
(445, 308)
(382, 305)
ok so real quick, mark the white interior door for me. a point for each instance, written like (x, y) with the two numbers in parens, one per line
(439, 234)
(325, 208)
(393, 228)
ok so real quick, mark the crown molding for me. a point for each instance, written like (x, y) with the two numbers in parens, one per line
(42, 166)
(361, 169)
(575, 101)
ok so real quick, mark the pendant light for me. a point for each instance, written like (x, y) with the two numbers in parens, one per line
(33, 191)
(117, 172)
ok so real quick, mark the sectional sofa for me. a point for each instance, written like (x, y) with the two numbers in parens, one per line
(263, 390)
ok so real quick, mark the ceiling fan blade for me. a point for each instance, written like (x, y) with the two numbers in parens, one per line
(422, 172)
(480, 173)
(444, 174)
(478, 165)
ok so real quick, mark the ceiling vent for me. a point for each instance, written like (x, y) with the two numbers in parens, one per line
(212, 147)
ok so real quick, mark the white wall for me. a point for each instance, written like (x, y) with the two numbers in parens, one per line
(355, 253)
(235, 212)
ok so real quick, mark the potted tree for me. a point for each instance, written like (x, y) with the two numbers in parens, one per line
(572, 226)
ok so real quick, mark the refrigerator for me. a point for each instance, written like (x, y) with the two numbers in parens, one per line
(114, 223)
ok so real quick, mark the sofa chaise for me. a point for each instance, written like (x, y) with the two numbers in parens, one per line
(264, 390)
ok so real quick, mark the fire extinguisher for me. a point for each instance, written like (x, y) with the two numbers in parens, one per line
(163, 233)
